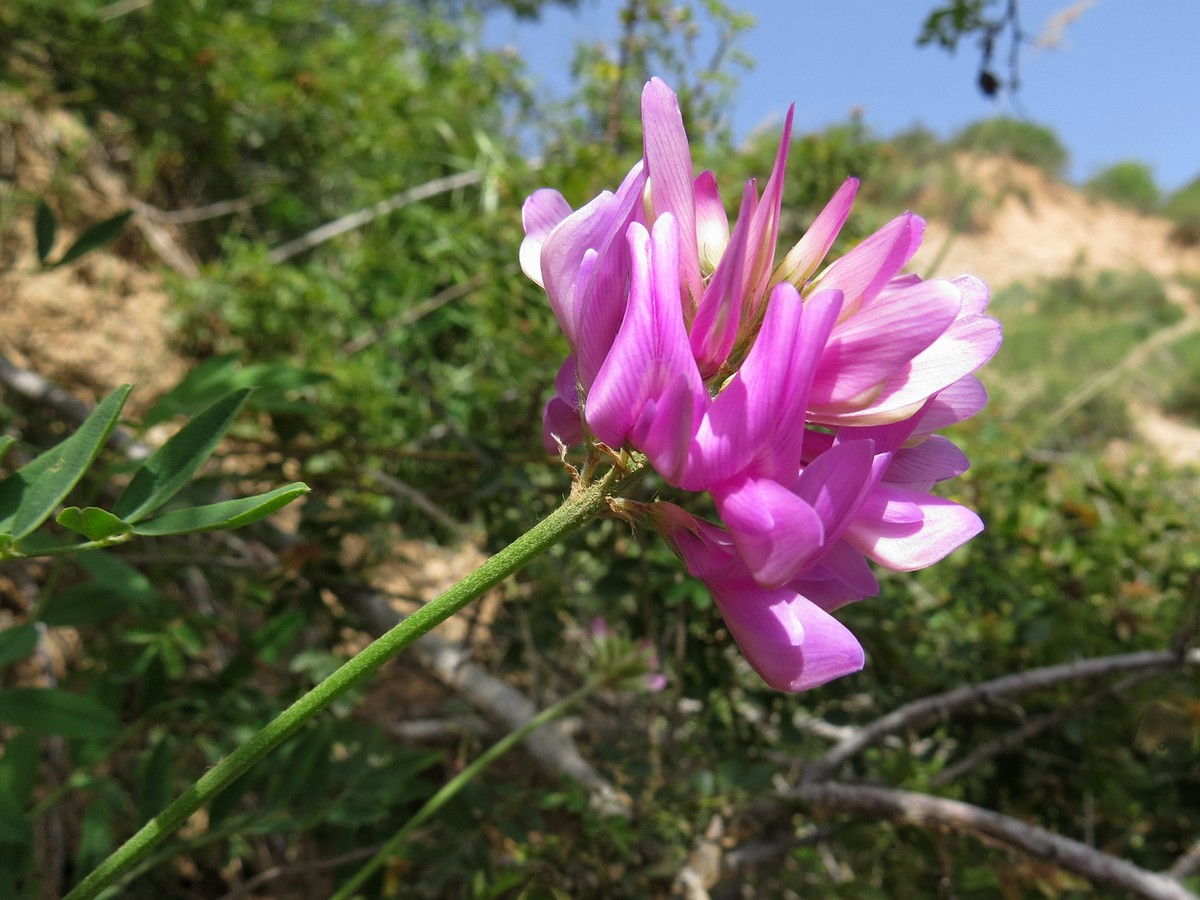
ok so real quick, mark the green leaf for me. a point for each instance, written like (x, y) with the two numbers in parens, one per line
(220, 516)
(17, 643)
(19, 765)
(218, 375)
(46, 230)
(52, 711)
(6, 441)
(29, 495)
(114, 586)
(15, 827)
(152, 779)
(93, 523)
(96, 236)
(171, 466)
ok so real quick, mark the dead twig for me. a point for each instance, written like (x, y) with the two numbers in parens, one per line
(929, 709)
(337, 227)
(925, 811)
(1032, 727)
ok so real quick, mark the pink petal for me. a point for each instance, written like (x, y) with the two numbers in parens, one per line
(669, 169)
(712, 225)
(648, 391)
(863, 272)
(953, 404)
(836, 483)
(585, 267)
(775, 531)
(965, 346)
(804, 258)
(764, 227)
(944, 526)
(934, 459)
(975, 294)
(790, 642)
(715, 327)
(560, 417)
(543, 209)
(869, 346)
(842, 576)
(757, 419)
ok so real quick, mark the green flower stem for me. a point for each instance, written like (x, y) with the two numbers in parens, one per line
(461, 780)
(583, 505)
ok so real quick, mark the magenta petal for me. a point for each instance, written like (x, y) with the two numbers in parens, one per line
(953, 404)
(776, 532)
(934, 459)
(944, 527)
(790, 642)
(669, 168)
(965, 346)
(757, 421)
(863, 272)
(764, 227)
(648, 391)
(869, 346)
(543, 209)
(842, 576)
(804, 258)
(712, 224)
(560, 417)
(715, 326)
(585, 265)
(836, 482)
(975, 294)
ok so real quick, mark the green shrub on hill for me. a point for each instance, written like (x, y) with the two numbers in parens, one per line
(1183, 209)
(1129, 183)
(1028, 142)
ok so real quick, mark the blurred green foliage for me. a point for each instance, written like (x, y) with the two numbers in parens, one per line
(412, 348)
(1130, 183)
(1183, 208)
(1026, 141)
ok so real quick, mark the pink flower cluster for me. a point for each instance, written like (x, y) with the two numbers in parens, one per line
(801, 398)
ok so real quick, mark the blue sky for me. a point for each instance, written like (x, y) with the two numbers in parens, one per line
(1124, 83)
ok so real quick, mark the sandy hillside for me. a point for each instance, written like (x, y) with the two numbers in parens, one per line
(105, 320)
(1030, 226)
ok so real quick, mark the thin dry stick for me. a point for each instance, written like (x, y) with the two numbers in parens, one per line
(1032, 727)
(199, 213)
(413, 313)
(928, 709)
(249, 886)
(1186, 864)
(330, 230)
(550, 746)
(922, 810)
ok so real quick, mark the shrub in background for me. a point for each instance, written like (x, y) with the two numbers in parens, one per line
(1129, 183)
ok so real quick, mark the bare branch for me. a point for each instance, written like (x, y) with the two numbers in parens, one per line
(922, 810)
(550, 745)
(201, 213)
(413, 313)
(330, 230)
(299, 868)
(928, 709)
(1186, 864)
(34, 387)
(1031, 727)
